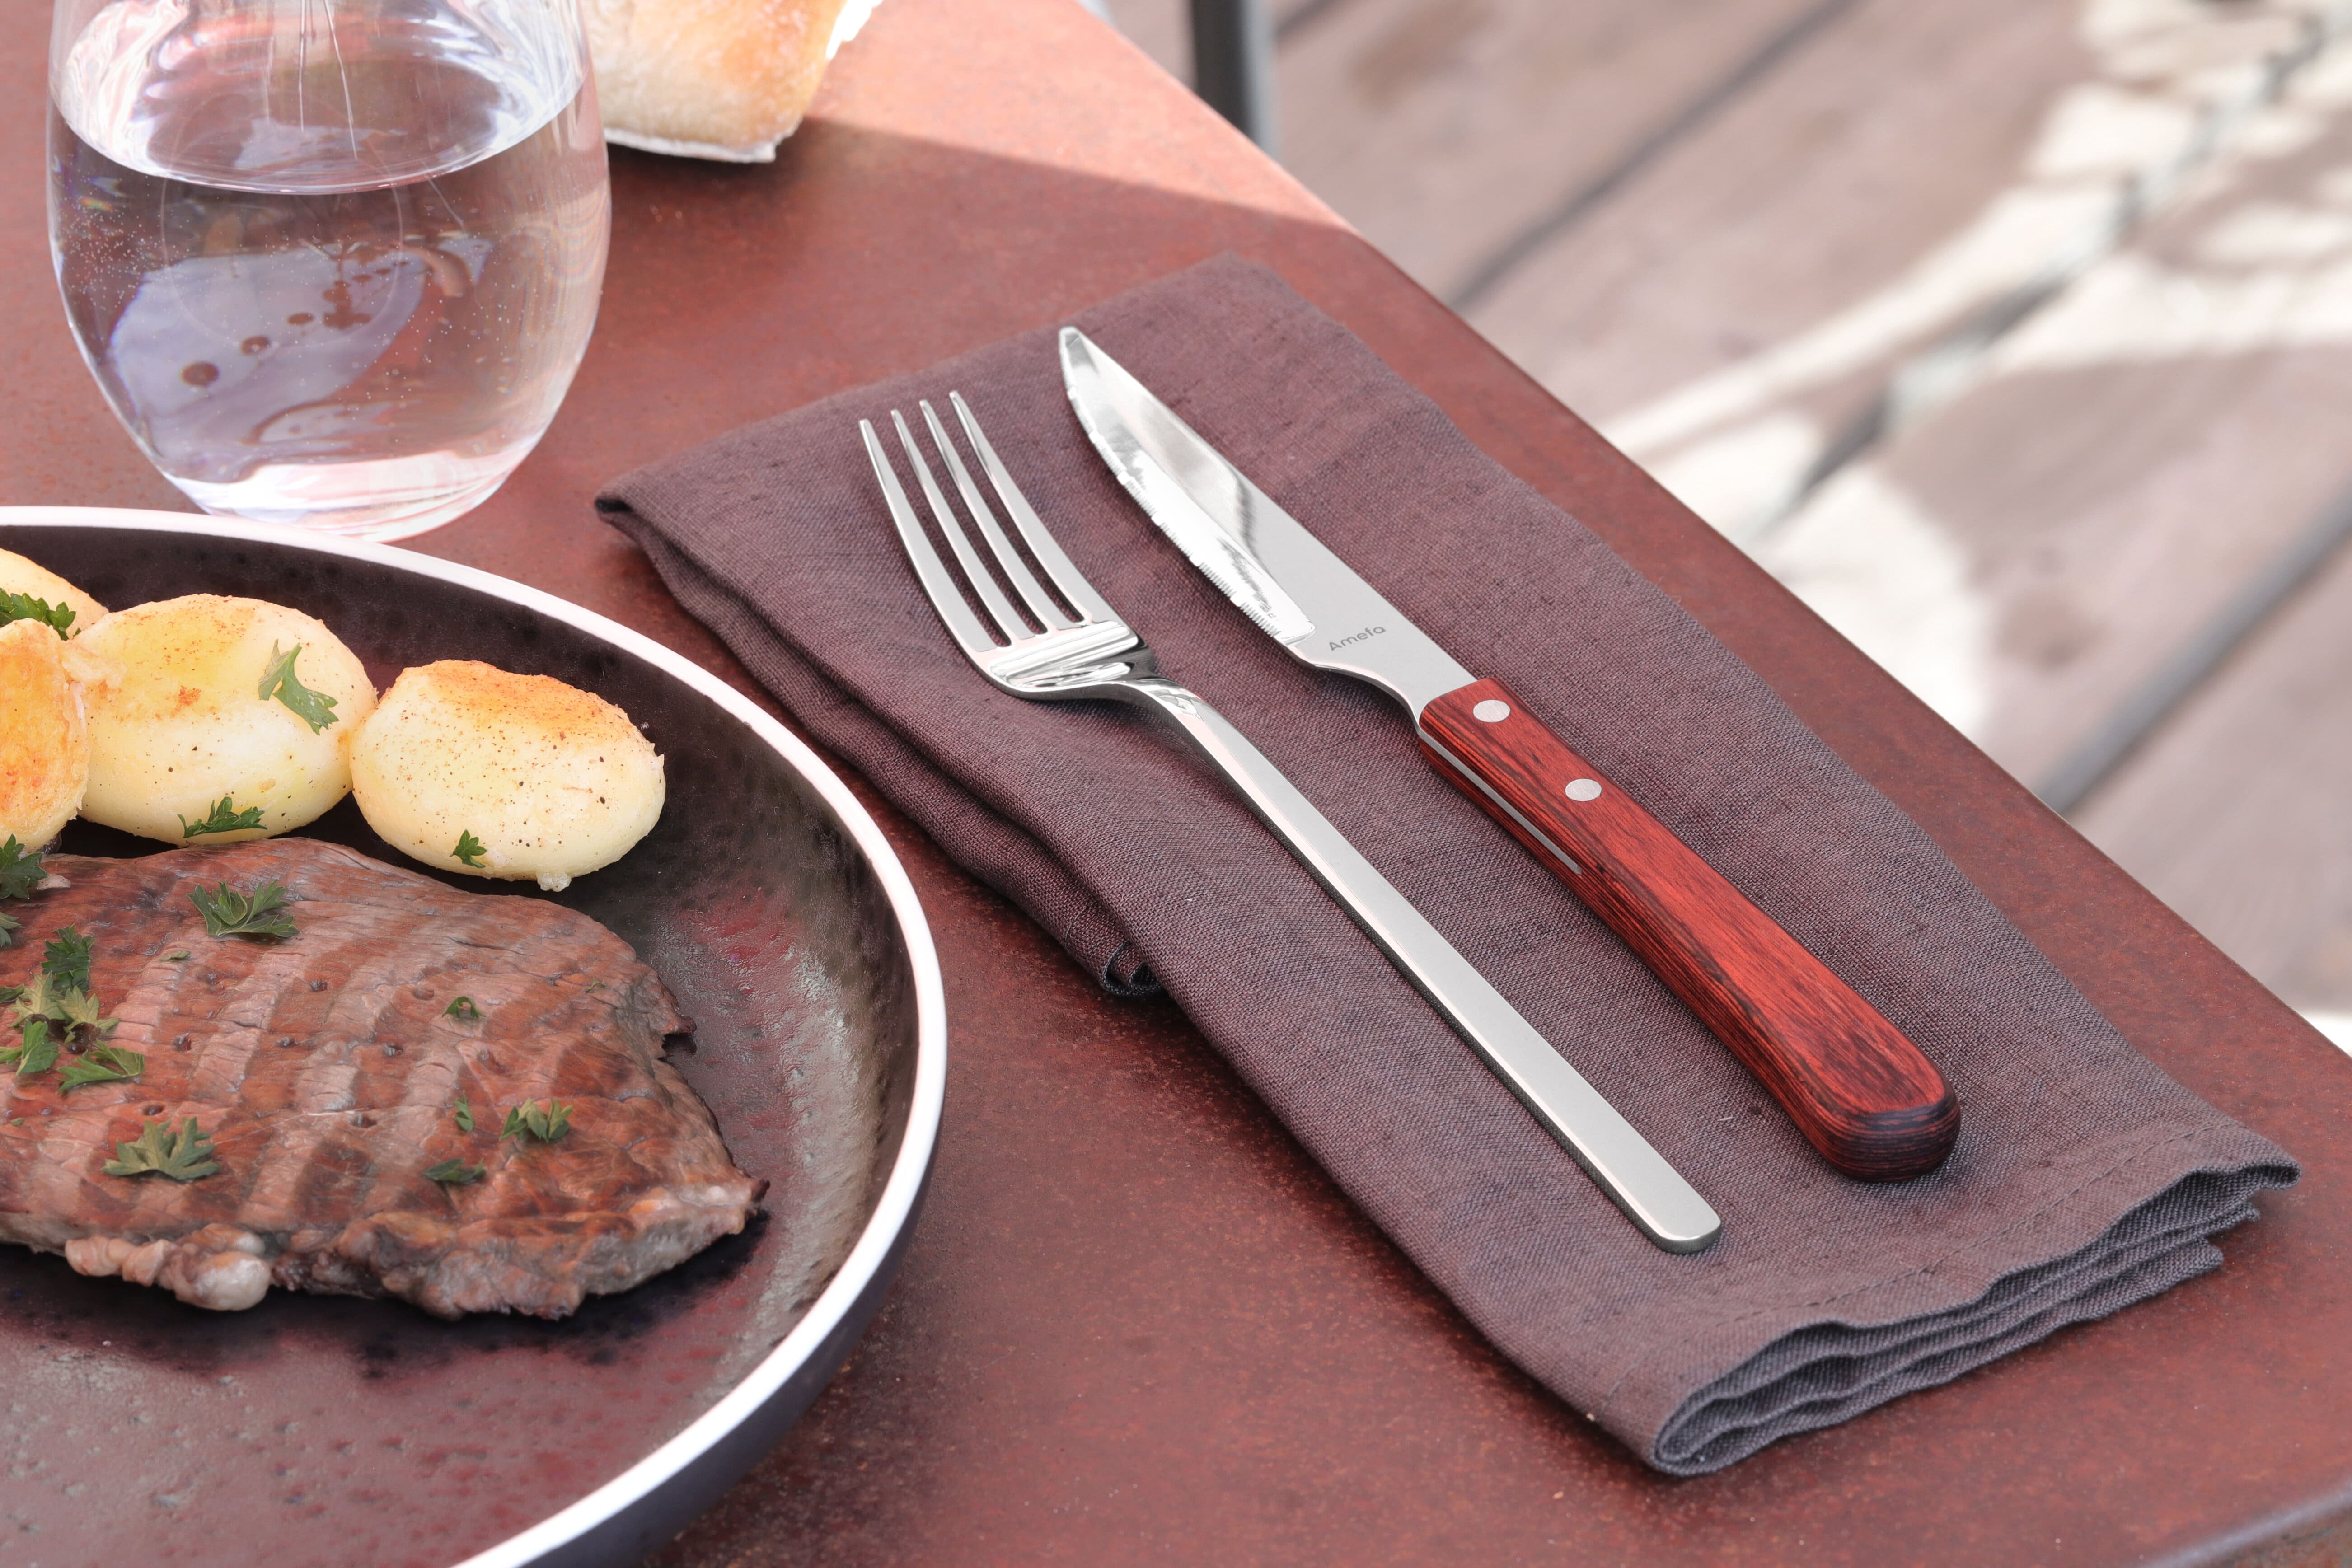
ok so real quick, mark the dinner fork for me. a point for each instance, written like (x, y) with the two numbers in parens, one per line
(1077, 648)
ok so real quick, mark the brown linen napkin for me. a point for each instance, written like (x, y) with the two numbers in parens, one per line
(2084, 1179)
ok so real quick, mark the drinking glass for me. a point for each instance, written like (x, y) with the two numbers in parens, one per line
(333, 262)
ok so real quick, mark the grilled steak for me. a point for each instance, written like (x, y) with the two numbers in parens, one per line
(327, 1070)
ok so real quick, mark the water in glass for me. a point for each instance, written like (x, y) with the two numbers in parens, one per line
(333, 262)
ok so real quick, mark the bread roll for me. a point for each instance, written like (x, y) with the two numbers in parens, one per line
(45, 744)
(489, 774)
(19, 575)
(709, 79)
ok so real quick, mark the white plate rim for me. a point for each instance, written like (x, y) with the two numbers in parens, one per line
(900, 1191)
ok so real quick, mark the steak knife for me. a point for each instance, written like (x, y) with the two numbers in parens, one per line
(1862, 1094)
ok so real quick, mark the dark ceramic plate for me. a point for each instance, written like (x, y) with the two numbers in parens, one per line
(318, 1429)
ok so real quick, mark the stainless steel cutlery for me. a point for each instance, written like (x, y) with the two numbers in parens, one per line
(1066, 644)
(1866, 1098)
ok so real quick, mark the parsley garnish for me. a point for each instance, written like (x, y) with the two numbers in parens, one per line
(184, 1156)
(20, 873)
(77, 1009)
(66, 960)
(37, 1000)
(53, 1011)
(225, 818)
(456, 1172)
(463, 1116)
(20, 870)
(102, 1064)
(228, 912)
(178, 957)
(469, 849)
(38, 1054)
(24, 607)
(546, 1122)
(58, 1010)
(315, 709)
(463, 1010)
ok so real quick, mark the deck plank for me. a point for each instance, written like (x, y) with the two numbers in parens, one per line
(1825, 184)
(2136, 454)
(1736, 321)
(1443, 129)
(2235, 813)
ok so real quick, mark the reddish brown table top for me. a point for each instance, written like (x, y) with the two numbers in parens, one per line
(1135, 1321)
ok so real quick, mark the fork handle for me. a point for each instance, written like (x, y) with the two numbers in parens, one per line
(1861, 1093)
(1637, 1177)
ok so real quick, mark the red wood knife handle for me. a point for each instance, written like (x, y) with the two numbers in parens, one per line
(1860, 1092)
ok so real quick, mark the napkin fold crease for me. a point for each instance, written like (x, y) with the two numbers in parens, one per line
(2084, 1179)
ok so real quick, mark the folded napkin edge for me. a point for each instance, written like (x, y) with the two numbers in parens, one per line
(2133, 1280)
(2253, 1166)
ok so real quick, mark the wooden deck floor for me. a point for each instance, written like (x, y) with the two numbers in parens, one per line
(2016, 335)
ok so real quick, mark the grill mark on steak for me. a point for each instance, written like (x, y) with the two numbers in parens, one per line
(326, 1104)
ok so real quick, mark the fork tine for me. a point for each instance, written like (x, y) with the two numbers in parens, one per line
(983, 583)
(1067, 577)
(939, 583)
(1048, 613)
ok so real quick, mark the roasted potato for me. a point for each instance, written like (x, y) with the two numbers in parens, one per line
(19, 575)
(474, 769)
(45, 742)
(210, 710)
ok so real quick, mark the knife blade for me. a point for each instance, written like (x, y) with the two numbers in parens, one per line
(1864, 1096)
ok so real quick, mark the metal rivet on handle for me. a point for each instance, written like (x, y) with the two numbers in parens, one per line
(1584, 789)
(1491, 711)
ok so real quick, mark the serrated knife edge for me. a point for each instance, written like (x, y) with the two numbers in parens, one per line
(1263, 559)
